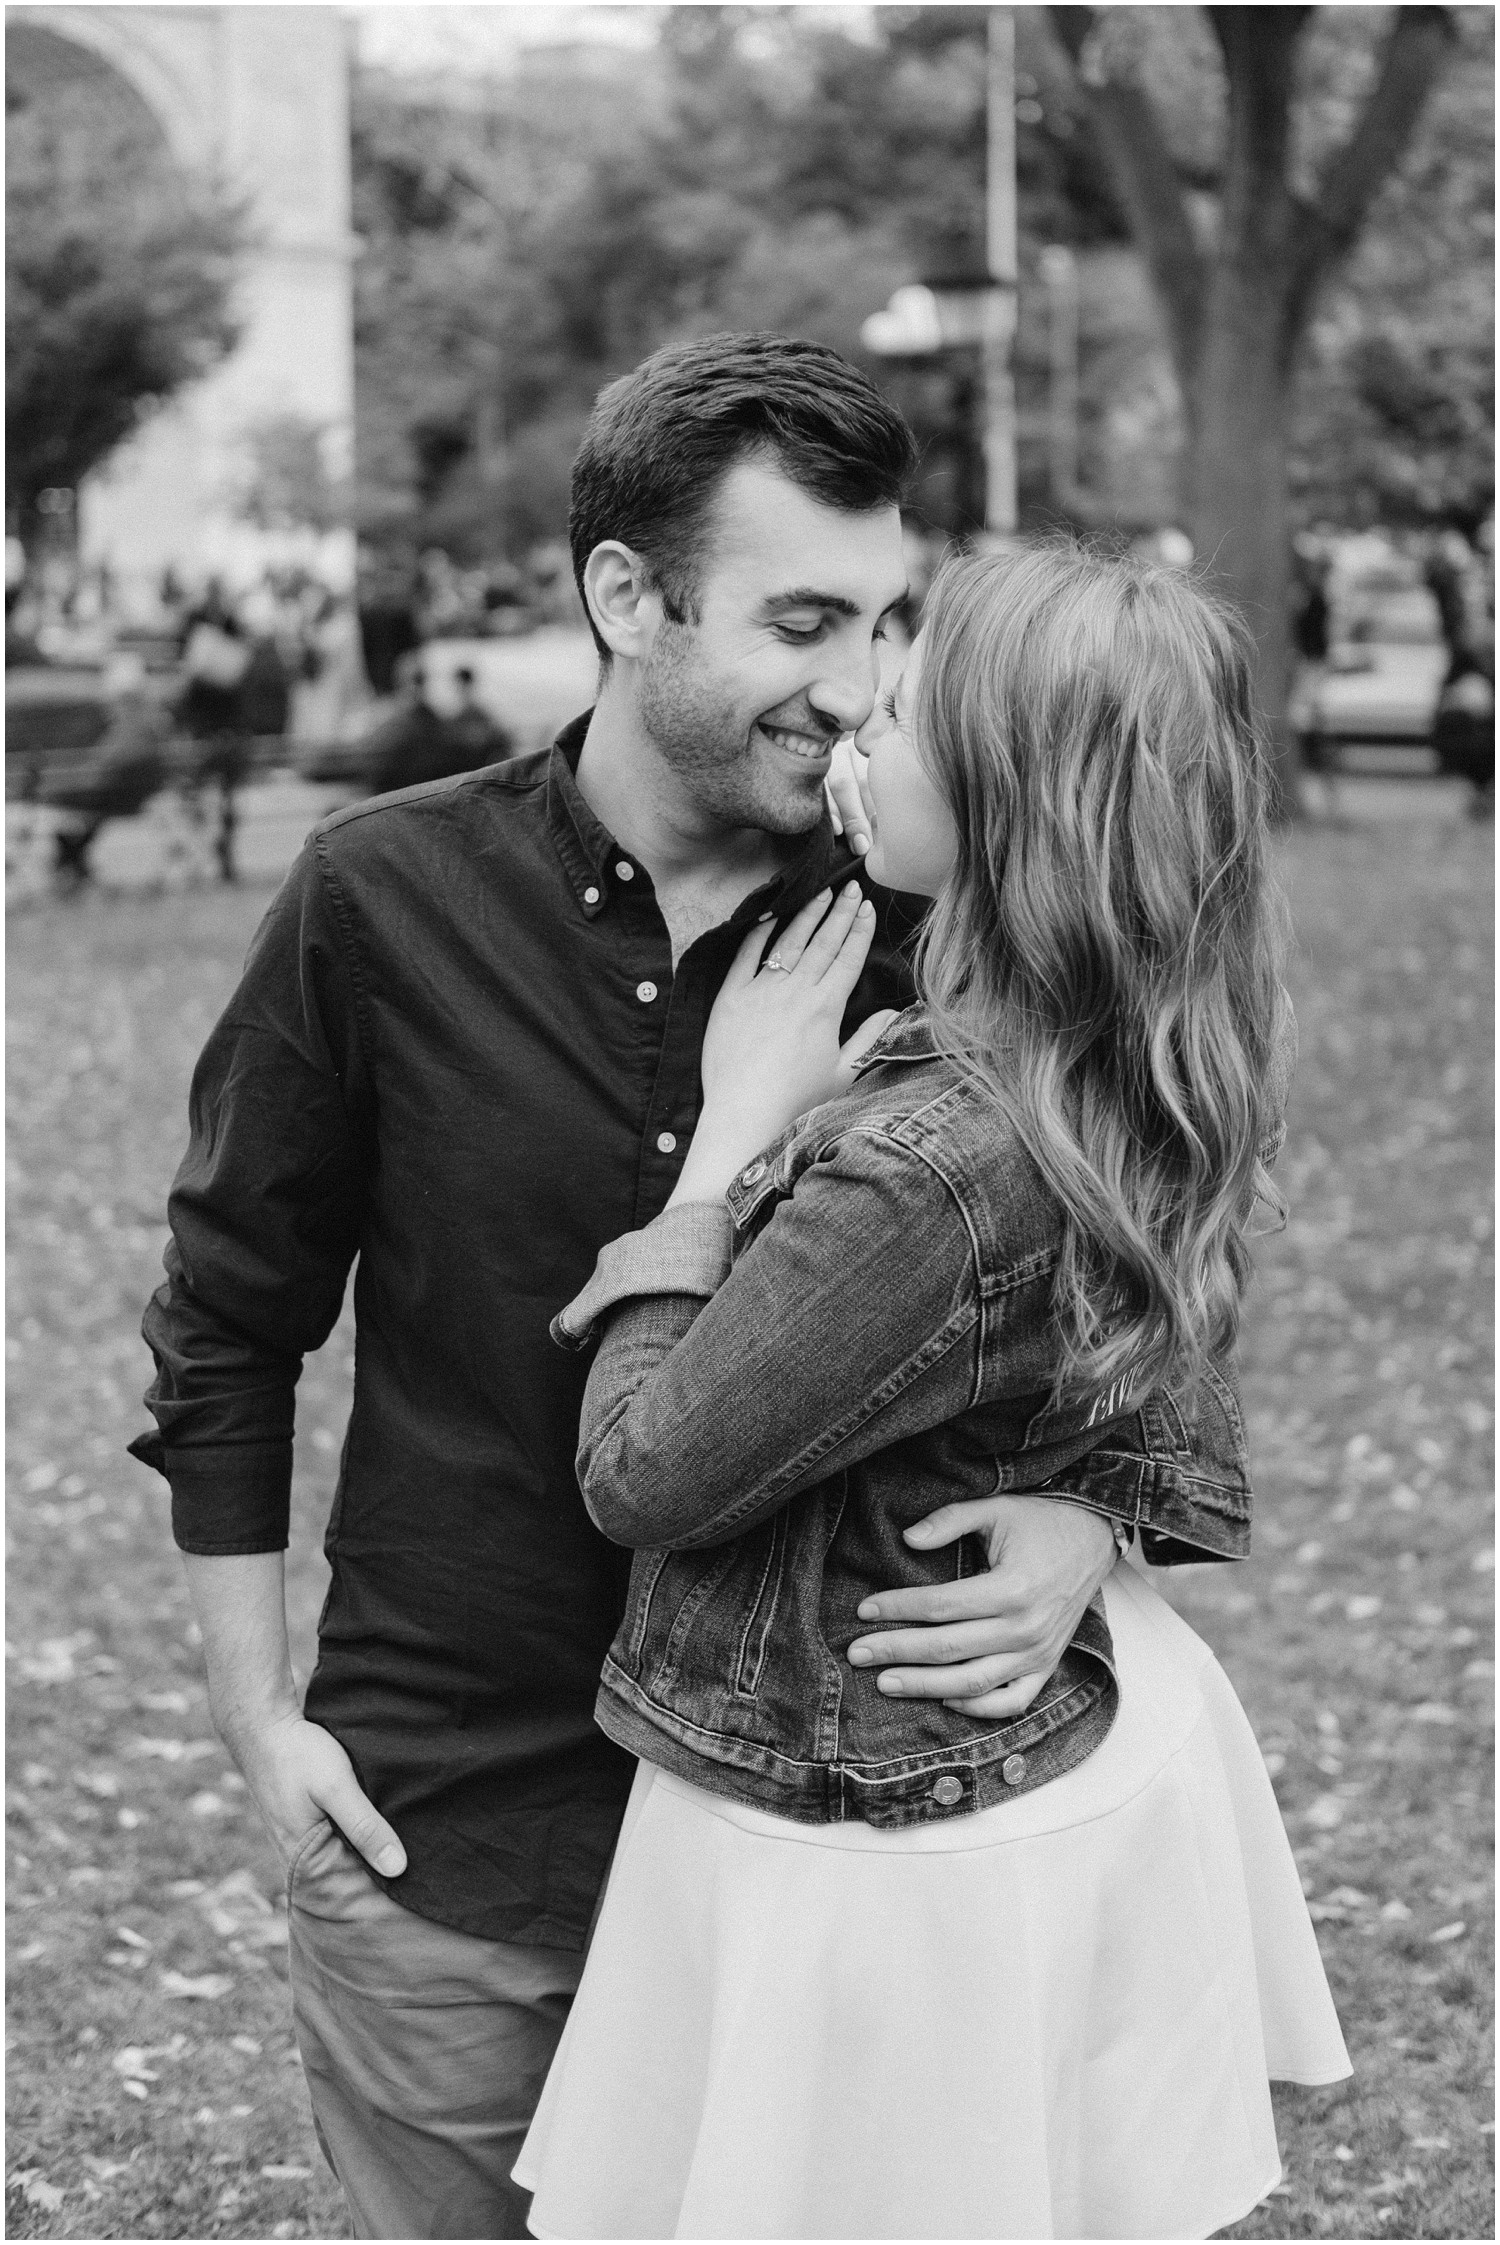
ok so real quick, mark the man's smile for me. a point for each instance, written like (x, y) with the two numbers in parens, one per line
(810, 747)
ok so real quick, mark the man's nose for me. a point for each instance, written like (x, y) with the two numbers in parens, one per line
(846, 695)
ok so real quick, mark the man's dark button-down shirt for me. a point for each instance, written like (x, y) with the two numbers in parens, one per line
(461, 1054)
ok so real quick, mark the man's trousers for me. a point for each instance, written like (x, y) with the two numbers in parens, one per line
(425, 2050)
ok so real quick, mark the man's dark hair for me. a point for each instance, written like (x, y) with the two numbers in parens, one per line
(661, 440)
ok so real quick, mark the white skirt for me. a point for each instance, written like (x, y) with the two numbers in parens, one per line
(1057, 2017)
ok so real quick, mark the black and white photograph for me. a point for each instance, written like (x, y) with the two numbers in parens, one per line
(750, 811)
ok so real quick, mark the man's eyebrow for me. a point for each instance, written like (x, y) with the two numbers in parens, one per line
(808, 596)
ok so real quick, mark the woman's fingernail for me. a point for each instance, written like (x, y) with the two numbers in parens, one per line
(869, 1611)
(851, 888)
(390, 1862)
(859, 844)
(861, 1656)
(919, 1534)
(889, 1684)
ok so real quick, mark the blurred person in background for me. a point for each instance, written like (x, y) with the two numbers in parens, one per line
(1461, 579)
(1312, 621)
(130, 764)
(465, 1054)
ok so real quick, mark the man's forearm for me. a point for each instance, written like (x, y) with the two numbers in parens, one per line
(240, 1603)
(297, 1771)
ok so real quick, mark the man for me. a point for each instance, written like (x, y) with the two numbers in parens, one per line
(465, 1050)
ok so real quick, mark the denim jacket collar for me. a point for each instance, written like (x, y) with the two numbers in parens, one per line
(909, 1037)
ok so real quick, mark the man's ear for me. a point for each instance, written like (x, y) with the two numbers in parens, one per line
(625, 609)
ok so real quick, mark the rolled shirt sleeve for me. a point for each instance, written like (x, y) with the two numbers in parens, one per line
(265, 1214)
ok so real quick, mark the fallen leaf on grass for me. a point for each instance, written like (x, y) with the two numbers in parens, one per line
(245, 2043)
(276, 2174)
(181, 1888)
(131, 2062)
(36, 2190)
(1431, 2143)
(131, 1940)
(1431, 1711)
(135, 2089)
(206, 1804)
(206, 1988)
(1482, 1563)
(165, 1703)
(30, 1953)
(1395, 1912)
(171, 1749)
(103, 1784)
(1449, 1932)
(1326, 1812)
(1363, 1608)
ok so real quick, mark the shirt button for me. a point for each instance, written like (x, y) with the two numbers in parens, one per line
(754, 1174)
(625, 872)
(666, 1142)
(947, 1792)
(645, 991)
(1013, 1768)
(591, 896)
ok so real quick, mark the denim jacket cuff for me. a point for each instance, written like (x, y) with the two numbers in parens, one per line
(685, 1251)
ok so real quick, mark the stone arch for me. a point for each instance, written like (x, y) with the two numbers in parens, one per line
(258, 95)
(168, 67)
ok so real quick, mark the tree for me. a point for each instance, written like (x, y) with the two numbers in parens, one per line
(1238, 284)
(119, 274)
(1396, 406)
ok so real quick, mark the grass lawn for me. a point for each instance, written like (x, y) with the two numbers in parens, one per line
(153, 2089)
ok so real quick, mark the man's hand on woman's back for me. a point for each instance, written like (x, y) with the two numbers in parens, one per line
(988, 1643)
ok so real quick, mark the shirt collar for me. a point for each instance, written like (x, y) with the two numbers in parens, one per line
(590, 854)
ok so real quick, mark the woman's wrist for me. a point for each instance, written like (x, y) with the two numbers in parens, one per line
(720, 1148)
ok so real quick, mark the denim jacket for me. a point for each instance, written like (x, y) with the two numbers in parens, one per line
(785, 1383)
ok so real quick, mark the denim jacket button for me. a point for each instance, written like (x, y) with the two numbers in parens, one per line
(947, 1792)
(1013, 1768)
(754, 1174)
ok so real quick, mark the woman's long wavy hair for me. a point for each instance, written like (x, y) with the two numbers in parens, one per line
(1104, 956)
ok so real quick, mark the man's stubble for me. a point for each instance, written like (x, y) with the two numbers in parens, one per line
(707, 741)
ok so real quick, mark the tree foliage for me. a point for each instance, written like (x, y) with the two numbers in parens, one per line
(768, 167)
(119, 278)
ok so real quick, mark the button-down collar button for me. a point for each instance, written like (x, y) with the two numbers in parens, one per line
(645, 991)
(948, 1792)
(754, 1174)
(625, 872)
(1013, 1768)
(591, 896)
(666, 1142)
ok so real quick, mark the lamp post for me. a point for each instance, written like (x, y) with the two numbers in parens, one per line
(976, 310)
(1000, 260)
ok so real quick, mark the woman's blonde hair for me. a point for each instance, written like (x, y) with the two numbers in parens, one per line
(1104, 956)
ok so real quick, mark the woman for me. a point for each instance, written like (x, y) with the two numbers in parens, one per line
(1018, 1965)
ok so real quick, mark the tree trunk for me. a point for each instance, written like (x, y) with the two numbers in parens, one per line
(1238, 503)
(1243, 389)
